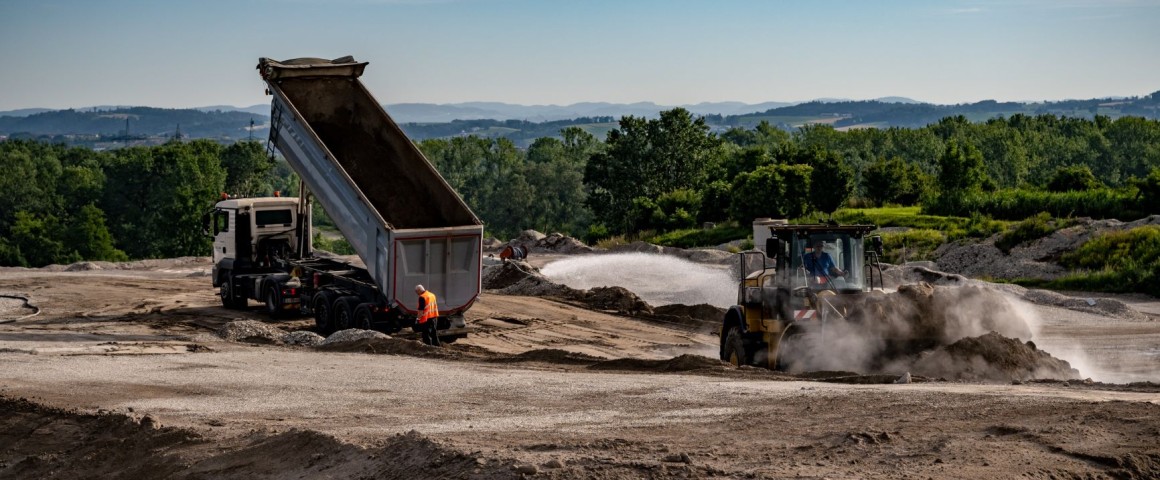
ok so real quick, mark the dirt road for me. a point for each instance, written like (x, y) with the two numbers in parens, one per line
(176, 401)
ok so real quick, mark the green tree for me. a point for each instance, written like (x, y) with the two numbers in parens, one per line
(646, 158)
(775, 191)
(831, 181)
(895, 181)
(247, 169)
(1074, 178)
(87, 235)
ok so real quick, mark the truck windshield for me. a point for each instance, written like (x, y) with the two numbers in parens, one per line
(281, 218)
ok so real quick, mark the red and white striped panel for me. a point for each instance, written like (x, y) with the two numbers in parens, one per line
(800, 315)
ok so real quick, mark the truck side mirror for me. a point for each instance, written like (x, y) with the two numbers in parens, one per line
(206, 219)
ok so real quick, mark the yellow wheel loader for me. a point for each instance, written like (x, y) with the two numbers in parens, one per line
(805, 277)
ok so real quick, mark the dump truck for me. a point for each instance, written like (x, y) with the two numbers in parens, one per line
(405, 222)
(802, 277)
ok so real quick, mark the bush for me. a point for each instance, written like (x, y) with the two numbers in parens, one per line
(1020, 204)
(1075, 178)
(911, 245)
(337, 246)
(1032, 228)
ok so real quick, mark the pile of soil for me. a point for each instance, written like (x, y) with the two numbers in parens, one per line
(617, 299)
(536, 242)
(44, 442)
(993, 357)
(552, 355)
(1098, 306)
(397, 346)
(701, 317)
(682, 363)
(251, 331)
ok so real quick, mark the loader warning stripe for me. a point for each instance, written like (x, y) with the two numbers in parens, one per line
(804, 314)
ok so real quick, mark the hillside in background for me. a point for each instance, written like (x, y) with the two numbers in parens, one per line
(523, 124)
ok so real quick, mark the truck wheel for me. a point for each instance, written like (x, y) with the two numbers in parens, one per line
(794, 350)
(735, 348)
(229, 295)
(274, 302)
(323, 307)
(344, 312)
(364, 315)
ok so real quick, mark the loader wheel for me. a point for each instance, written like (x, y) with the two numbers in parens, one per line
(793, 354)
(229, 295)
(363, 316)
(344, 312)
(323, 306)
(735, 348)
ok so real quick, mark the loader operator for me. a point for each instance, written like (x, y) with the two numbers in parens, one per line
(820, 266)
(427, 320)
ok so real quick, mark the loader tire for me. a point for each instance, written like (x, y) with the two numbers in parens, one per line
(735, 348)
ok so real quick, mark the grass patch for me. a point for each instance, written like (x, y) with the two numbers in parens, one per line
(697, 237)
(975, 226)
(337, 246)
(1117, 262)
(1032, 228)
(911, 245)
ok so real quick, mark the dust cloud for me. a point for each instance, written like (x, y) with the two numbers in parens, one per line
(657, 279)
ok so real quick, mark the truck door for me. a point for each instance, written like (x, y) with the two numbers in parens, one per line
(223, 235)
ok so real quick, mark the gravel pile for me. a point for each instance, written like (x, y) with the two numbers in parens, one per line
(352, 335)
(303, 337)
(1098, 306)
(251, 331)
(536, 242)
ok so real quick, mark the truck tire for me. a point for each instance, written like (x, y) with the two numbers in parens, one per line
(735, 348)
(273, 300)
(323, 306)
(344, 312)
(364, 316)
(229, 294)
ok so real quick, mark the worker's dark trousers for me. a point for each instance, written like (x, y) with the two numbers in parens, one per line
(430, 335)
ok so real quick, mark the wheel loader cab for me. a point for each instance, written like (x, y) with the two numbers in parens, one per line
(785, 293)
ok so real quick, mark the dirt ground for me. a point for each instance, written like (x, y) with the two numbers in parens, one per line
(121, 375)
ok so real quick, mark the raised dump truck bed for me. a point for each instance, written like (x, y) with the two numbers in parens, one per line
(402, 218)
(405, 222)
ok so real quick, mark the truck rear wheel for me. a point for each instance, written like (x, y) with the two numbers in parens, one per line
(229, 294)
(274, 302)
(323, 307)
(344, 312)
(364, 315)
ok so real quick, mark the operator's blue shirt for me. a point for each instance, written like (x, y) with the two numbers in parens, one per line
(821, 266)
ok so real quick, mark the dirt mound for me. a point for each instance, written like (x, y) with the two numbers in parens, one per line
(993, 357)
(43, 442)
(251, 331)
(681, 363)
(698, 316)
(617, 299)
(520, 278)
(82, 267)
(556, 243)
(352, 335)
(553, 355)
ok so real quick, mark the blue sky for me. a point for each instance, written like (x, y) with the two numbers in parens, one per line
(186, 53)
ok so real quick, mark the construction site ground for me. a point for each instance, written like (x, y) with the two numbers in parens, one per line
(121, 375)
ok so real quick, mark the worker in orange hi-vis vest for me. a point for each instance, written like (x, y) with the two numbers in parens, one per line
(427, 320)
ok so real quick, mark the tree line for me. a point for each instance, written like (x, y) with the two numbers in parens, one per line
(667, 173)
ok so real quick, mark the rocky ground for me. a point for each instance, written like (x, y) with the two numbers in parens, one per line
(134, 371)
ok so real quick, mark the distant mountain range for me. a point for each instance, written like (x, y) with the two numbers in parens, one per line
(441, 113)
(524, 123)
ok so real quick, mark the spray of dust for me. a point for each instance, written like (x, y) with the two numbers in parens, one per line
(656, 279)
(932, 331)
